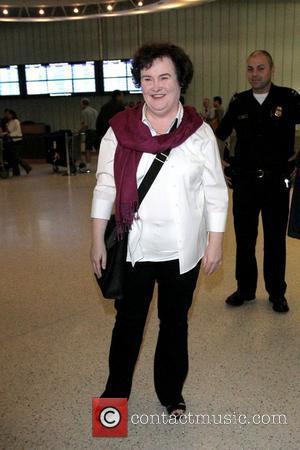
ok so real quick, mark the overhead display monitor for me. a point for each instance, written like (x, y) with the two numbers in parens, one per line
(9, 80)
(117, 75)
(36, 79)
(83, 76)
(60, 78)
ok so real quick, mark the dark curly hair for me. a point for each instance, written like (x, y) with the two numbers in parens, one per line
(146, 54)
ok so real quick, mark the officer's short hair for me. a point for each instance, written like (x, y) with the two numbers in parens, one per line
(265, 53)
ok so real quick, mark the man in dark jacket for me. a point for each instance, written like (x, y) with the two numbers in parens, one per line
(108, 110)
(264, 119)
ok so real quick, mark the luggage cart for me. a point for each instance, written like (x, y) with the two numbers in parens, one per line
(59, 152)
(64, 150)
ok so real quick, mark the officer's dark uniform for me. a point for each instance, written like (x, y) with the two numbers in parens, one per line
(294, 222)
(260, 174)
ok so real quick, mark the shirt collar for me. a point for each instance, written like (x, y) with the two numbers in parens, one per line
(179, 117)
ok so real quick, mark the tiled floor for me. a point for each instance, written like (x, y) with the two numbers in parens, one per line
(55, 333)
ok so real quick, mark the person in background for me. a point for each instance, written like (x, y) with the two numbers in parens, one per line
(208, 112)
(264, 119)
(4, 158)
(179, 223)
(3, 121)
(108, 110)
(88, 119)
(130, 104)
(14, 143)
(218, 112)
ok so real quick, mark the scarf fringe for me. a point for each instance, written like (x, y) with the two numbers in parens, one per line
(127, 213)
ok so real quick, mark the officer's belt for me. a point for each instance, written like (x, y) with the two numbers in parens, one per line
(259, 173)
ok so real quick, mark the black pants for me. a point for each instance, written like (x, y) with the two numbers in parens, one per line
(175, 294)
(270, 196)
(92, 140)
(14, 150)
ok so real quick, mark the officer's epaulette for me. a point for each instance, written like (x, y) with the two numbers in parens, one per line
(293, 92)
(289, 92)
(234, 97)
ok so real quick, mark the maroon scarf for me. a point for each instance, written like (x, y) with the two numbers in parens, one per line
(134, 138)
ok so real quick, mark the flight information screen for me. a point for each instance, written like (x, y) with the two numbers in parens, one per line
(60, 78)
(9, 80)
(117, 75)
(83, 76)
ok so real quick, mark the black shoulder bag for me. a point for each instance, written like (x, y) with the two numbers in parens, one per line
(111, 281)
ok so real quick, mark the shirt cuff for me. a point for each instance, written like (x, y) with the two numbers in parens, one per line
(101, 208)
(216, 222)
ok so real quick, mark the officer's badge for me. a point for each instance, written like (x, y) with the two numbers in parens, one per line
(278, 111)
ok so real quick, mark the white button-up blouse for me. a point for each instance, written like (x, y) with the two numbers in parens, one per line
(189, 194)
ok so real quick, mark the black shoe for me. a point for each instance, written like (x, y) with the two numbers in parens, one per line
(28, 169)
(280, 304)
(237, 299)
(177, 409)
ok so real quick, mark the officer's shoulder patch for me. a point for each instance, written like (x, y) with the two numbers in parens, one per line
(288, 91)
(293, 92)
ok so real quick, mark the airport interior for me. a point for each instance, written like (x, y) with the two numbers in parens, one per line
(242, 389)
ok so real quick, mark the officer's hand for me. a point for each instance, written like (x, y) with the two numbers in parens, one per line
(293, 174)
(227, 179)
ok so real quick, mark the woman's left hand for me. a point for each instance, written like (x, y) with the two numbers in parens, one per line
(212, 258)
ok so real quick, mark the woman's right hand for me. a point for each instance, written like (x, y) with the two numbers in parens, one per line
(98, 257)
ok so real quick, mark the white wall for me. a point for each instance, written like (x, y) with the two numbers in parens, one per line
(218, 36)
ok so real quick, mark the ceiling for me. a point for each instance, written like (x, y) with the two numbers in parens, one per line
(54, 10)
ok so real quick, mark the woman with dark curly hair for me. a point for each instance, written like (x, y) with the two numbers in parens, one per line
(180, 221)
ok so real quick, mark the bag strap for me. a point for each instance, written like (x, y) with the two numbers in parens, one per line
(152, 173)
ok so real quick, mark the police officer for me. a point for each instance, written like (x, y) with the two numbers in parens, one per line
(264, 120)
